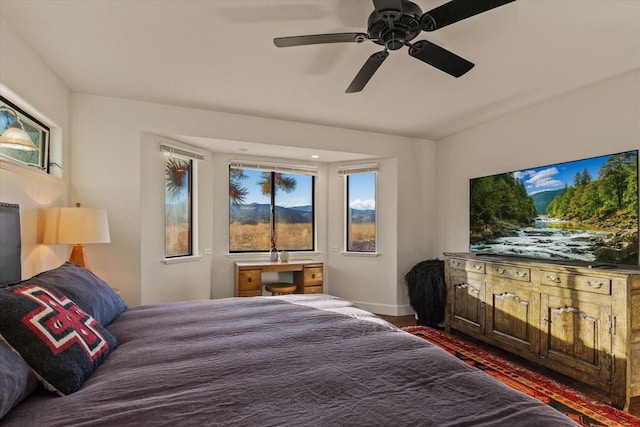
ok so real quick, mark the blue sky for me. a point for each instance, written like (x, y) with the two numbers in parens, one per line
(555, 177)
(362, 192)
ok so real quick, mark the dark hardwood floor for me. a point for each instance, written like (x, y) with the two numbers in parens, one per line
(402, 321)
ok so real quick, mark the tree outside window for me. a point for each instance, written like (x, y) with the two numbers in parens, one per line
(178, 207)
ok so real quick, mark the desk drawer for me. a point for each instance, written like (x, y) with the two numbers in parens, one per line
(312, 290)
(312, 276)
(249, 280)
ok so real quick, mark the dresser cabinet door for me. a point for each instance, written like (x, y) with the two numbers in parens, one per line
(511, 316)
(467, 304)
(577, 334)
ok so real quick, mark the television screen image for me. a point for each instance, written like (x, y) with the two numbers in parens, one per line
(584, 210)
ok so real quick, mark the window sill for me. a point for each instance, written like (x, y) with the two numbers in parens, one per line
(181, 259)
(361, 254)
(253, 256)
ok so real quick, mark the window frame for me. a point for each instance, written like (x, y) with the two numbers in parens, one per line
(45, 134)
(274, 168)
(346, 172)
(193, 158)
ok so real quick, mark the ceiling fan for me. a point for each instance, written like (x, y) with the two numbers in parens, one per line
(393, 24)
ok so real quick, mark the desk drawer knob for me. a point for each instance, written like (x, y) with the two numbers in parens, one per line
(249, 280)
(313, 275)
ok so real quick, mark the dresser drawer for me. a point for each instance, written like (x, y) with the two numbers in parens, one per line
(510, 272)
(312, 276)
(468, 265)
(249, 280)
(578, 282)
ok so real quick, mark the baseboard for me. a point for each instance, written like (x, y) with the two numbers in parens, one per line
(386, 309)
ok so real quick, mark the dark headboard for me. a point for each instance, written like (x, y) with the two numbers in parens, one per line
(10, 259)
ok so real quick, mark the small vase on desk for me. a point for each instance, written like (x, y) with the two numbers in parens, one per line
(284, 256)
(273, 255)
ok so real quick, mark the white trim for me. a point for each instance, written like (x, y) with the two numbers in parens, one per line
(354, 169)
(24, 169)
(274, 167)
(361, 254)
(385, 309)
(179, 259)
(170, 150)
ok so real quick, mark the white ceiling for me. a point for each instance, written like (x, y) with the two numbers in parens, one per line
(219, 55)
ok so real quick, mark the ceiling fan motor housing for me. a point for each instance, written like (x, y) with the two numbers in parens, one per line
(392, 28)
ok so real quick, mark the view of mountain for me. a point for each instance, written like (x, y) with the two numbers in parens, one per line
(363, 216)
(254, 213)
(543, 198)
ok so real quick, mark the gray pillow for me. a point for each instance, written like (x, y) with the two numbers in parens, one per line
(91, 293)
(17, 379)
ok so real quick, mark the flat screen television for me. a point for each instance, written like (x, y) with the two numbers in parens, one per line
(584, 211)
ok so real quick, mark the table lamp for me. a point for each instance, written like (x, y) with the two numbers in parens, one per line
(76, 226)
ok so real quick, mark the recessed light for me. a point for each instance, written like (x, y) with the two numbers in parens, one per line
(315, 156)
(243, 149)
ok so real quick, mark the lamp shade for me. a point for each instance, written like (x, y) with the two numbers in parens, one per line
(76, 226)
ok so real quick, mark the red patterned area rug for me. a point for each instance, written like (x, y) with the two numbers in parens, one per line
(580, 408)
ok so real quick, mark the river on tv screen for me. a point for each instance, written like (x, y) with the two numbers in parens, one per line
(586, 210)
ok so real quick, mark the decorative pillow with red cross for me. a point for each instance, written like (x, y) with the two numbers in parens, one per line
(60, 342)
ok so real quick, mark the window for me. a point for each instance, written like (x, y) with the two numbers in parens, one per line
(361, 224)
(271, 208)
(38, 132)
(180, 175)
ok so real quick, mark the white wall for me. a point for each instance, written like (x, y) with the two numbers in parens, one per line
(110, 169)
(600, 119)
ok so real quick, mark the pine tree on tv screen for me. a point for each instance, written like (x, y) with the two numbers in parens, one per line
(586, 210)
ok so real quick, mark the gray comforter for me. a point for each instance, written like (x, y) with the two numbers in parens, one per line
(272, 361)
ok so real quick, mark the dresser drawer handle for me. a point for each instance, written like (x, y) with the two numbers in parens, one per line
(595, 285)
(455, 263)
(478, 266)
(500, 270)
(555, 279)
(522, 274)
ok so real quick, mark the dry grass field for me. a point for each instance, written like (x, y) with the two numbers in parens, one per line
(247, 237)
(363, 237)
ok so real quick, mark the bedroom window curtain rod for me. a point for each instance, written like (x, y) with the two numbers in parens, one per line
(274, 167)
(167, 149)
(354, 169)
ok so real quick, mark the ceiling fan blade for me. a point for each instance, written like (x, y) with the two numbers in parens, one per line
(367, 71)
(440, 58)
(457, 10)
(320, 39)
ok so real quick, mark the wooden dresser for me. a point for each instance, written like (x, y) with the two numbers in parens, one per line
(580, 321)
(307, 276)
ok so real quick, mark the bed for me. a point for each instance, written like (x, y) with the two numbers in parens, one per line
(296, 360)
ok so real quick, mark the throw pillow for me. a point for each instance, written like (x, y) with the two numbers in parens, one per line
(60, 342)
(17, 380)
(91, 293)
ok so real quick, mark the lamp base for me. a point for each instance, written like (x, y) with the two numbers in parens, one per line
(79, 256)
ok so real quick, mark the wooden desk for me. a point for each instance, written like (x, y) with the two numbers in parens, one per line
(307, 276)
